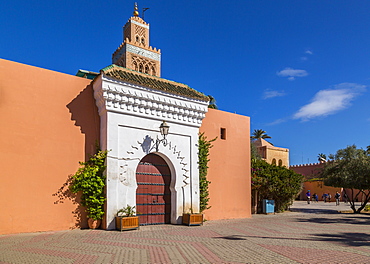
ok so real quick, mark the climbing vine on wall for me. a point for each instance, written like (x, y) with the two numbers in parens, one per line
(204, 147)
(90, 181)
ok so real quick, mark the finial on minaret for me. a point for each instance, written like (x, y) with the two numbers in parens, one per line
(136, 12)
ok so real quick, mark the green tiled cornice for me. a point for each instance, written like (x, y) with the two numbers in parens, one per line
(124, 74)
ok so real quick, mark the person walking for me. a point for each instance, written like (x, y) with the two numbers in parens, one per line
(329, 197)
(308, 195)
(337, 198)
(345, 197)
(324, 197)
(316, 197)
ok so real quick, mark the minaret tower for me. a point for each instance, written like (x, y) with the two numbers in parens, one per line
(135, 53)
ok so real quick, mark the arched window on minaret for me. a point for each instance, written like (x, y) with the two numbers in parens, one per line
(136, 47)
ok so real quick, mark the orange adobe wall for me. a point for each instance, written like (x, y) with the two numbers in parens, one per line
(49, 122)
(319, 188)
(229, 165)
(312, 171)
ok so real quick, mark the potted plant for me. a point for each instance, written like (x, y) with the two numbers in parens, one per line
(126, 218)
(192, 219)
(90, 181)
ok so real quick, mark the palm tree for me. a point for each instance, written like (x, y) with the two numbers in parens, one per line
(322, 157)
(212, 102)
(259, 133)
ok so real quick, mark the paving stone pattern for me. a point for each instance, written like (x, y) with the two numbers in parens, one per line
(313, 233)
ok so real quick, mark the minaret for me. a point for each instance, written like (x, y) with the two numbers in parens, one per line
(135, 53)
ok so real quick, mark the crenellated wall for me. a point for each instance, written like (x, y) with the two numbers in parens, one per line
(310, 170)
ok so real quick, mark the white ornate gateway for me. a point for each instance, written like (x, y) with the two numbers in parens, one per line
(159, 177)
(132, 106)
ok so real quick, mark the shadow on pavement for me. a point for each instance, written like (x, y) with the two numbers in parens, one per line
(356, 220)
(349, 239)
(234, 237)
(314, 211)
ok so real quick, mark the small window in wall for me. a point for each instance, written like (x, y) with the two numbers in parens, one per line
(223, 133)
(273, 162)
(280, 162)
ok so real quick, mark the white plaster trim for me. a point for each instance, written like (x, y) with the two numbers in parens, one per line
(136, 152)
(123, 97)
(142, 52)
(139, 24)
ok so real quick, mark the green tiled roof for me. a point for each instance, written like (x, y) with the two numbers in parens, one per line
(124, 74)
(87, 74)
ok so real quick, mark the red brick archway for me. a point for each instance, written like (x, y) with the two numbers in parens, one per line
(153, 195)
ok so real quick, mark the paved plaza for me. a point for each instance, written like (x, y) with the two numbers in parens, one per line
(314, 233)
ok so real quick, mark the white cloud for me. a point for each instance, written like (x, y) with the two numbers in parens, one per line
(271, 94)
(330, 101)
(292, 73)
(277, 122)
(309, 52)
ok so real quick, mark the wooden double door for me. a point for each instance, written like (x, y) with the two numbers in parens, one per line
(153, 195)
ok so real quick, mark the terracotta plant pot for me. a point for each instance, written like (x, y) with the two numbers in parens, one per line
(192, 219)
(93, 224)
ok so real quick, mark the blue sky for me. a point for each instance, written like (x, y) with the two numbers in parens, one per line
(299, 69)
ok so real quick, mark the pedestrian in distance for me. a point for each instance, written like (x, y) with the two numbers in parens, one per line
(345, 197)
(308, 195)
(329, 197)
(324, 197)
(337, 198)
(316, 197)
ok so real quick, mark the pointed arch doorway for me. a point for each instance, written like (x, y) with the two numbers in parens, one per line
(153, 195)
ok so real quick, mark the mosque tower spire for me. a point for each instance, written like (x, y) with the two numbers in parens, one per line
(135, 53)
(136, 10)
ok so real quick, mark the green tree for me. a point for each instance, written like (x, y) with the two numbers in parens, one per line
(204, 147)
(259, 133)
(254, 152)
(275, 182)
(350, 169)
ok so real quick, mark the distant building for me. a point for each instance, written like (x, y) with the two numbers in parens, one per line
(271, 154)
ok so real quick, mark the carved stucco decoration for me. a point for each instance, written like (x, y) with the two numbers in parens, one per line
(128, 98)
(127, 176)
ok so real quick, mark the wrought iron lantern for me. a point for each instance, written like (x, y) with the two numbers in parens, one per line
(163, 128)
